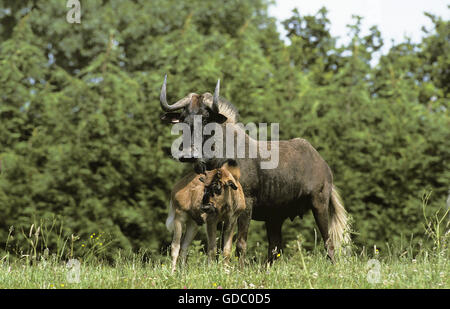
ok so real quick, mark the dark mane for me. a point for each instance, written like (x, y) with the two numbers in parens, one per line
(225, 108)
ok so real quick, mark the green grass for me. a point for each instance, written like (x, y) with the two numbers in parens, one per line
(296, 269)
(402, 265)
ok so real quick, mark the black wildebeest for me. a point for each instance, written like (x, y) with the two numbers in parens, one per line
(302, 181)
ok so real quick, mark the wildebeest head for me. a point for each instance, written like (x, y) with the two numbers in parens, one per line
(216, 183)
(185, 110)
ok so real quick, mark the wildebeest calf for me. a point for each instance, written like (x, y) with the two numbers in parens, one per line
(212, 198)
(223, 201)
(184, 209)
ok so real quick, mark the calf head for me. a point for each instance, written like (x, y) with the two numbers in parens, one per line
(217, 182)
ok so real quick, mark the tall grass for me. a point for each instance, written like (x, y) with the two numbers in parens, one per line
(301, 269)
(402, 265)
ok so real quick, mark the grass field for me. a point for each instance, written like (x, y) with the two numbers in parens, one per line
(296, 269)
(403, 265)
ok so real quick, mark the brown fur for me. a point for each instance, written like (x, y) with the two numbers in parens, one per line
(229, 204)
(186, 209)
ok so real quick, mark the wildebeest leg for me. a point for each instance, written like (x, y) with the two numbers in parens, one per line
(243, 223)
(320, 211)
(175, 246)
(211, 229)
(273, 229)
(191, 231)
(228, 238)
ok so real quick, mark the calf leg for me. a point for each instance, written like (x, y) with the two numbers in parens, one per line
(228, 238)
(191, 231)
(175, 246)
(211, 229)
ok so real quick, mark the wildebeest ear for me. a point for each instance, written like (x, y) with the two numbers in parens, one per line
(216, 117)
(232, 166)
(171, 117)
(219, 118)
(232, 184)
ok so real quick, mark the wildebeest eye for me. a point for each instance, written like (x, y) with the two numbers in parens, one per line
(231, 184)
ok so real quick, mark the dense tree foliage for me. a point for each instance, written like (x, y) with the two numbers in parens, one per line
(81, 139)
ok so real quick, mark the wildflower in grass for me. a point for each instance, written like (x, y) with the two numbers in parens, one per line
(279, 254)
(62, 285)
(219, 287)
(376, 251)
(214, 284)
(52, 286)
(83, 245)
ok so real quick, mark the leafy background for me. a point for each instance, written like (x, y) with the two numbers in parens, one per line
(81, 143)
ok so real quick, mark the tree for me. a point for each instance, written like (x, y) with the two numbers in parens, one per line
(81, 138)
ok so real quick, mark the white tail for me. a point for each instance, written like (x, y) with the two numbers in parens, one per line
(170, 217)
(339, 228)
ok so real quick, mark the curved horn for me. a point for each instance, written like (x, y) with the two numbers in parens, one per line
(163, 100)
(215, 105)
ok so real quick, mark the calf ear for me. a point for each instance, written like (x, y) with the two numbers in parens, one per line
(171, 117)
(232, 166)
(232, 184)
